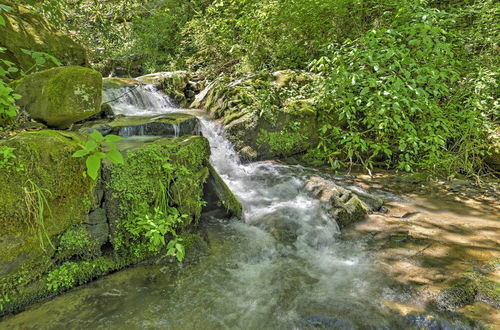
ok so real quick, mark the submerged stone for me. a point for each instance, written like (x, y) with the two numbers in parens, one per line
(61, 96)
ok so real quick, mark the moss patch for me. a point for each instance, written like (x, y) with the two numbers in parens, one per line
(46, 194)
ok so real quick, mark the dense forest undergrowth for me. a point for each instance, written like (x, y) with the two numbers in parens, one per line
(410, 85)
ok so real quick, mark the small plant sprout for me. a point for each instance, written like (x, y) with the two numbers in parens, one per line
(93, 150)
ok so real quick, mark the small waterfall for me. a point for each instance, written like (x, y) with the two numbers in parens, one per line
(272, 194)
(138, 100)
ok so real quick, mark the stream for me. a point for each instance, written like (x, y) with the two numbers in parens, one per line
(283, 266)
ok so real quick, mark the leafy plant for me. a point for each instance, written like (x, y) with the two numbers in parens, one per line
(40, 59)
(154, 226)
(92, 149)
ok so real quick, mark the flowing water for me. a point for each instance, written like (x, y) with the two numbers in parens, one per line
(283, 266)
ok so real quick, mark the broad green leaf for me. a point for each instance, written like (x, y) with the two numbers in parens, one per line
(93, 165)
(96, 135)
(81, 153)
(114, 156)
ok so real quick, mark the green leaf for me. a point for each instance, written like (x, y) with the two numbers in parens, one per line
(93, 165)
(115, 156)
(97, 136)
(81, 153)
(91, 145)
(112, 138)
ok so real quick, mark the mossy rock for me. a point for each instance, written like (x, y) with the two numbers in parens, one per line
(173, 168)
(61, 96)
(174, 84)
(218, 195)
(472, 286)
(171, 125)
(44, 173)
(27, 30)
(283, 128)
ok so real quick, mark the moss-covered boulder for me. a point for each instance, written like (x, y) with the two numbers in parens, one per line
(177, 85)
(27, 30)
(171, 125)
(43, 193)
(217, 195)
(342, 204)
(259, 118)
(61, 96)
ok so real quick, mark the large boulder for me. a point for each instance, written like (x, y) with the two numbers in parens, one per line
(61, 96)
(26, 30)
(59, 229)
(217, 195)
(258, 119)
(43, 194)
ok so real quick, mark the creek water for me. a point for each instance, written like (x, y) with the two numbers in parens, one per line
(282, 266)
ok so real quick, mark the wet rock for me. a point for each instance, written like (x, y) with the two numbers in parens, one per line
(171, 125)
(280, 130)
(342, 204)
(471, 287)
(176, 85)
(61, 96)
(97, 226)
(43, 176)
(218, 195)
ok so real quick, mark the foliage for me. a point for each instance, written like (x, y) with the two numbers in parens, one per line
(63, 277)
(40, 59)
(389, 96)
(6, 157)
(154, 226)
(92, 149)
(8, 109)
(76, 241)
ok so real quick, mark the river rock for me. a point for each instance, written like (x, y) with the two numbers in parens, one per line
(26, 30)
(61, 96)
(281, 129)
(43, 178)
(218, 196)
(171, 125)
(176, 85)
(342, 204)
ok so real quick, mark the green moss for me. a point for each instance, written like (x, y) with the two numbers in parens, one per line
(472, 286)
(168, 172)
(76, 241)
(48, 168)
(61, 96)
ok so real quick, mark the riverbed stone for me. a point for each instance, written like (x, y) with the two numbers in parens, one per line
(218, 196)
(282, 129)
(342, 204)
(61, 96)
